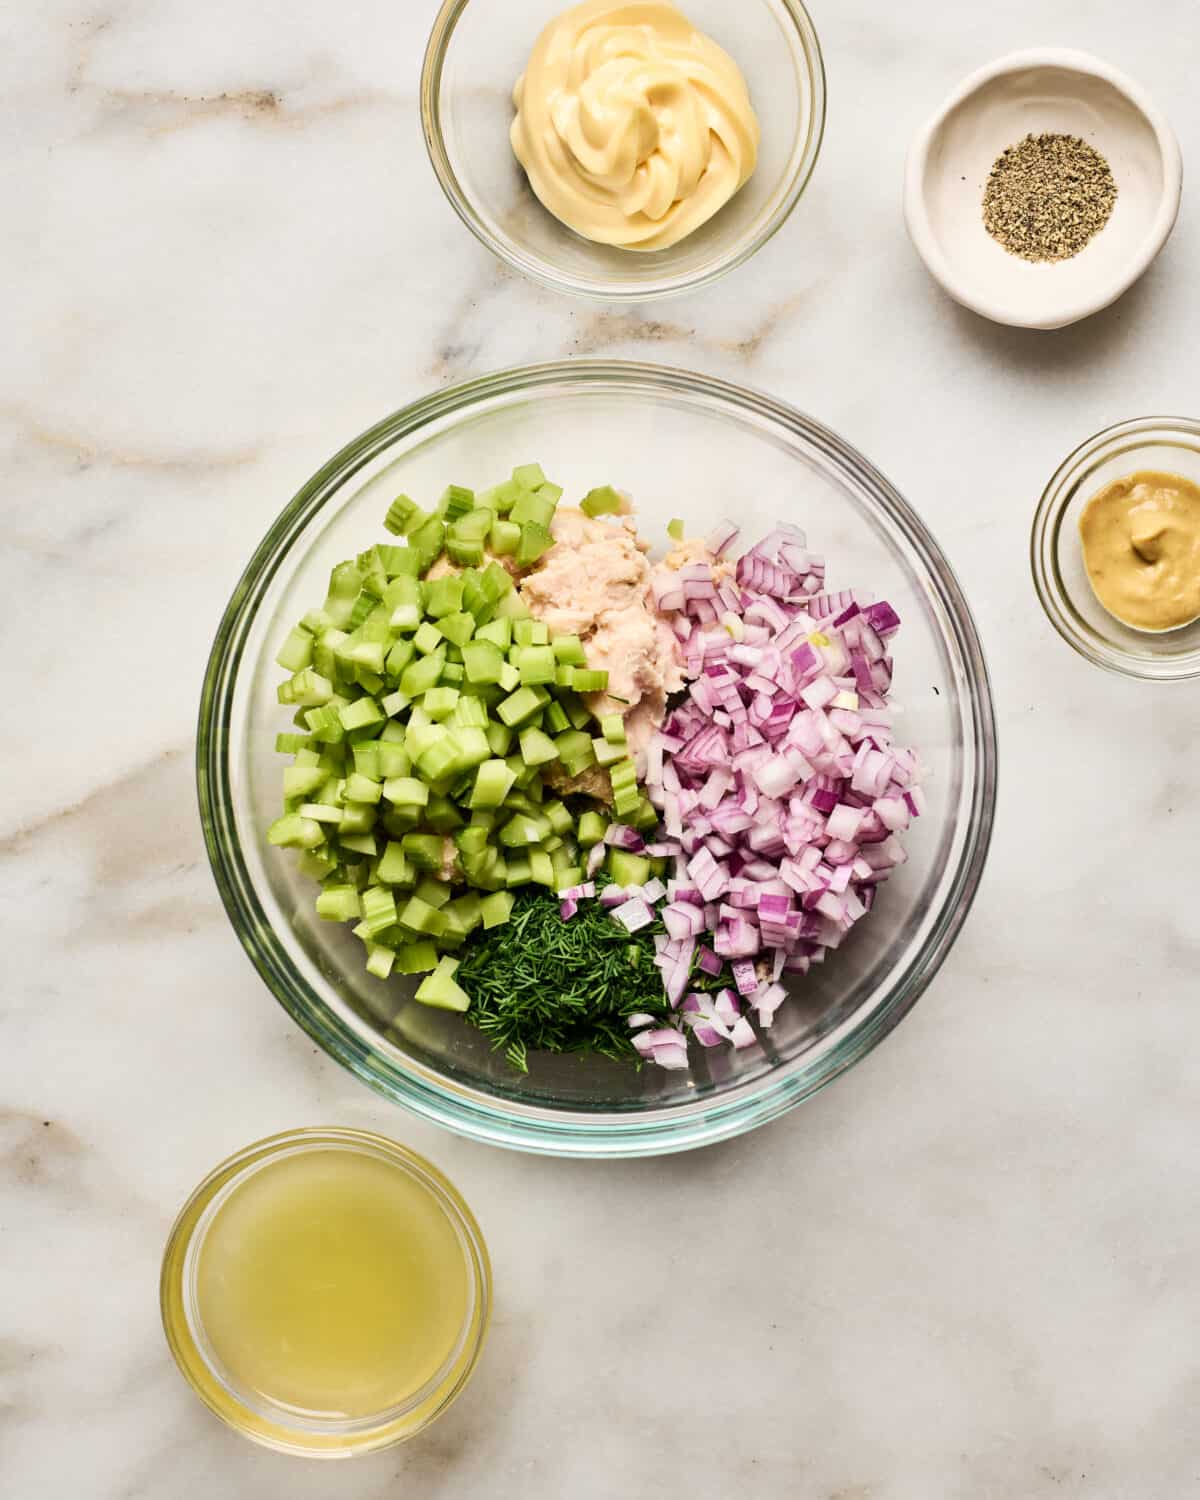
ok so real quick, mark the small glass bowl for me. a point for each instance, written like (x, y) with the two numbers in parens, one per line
(1056, 554)
(479, 48)
(276, 1426)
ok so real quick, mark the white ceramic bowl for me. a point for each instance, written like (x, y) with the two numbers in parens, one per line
(1062, 92)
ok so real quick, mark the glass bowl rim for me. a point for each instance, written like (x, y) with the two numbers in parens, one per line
(1053, 595)
(638, 289)
(538, 1128)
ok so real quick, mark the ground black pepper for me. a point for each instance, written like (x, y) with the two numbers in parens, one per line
(1047, 196)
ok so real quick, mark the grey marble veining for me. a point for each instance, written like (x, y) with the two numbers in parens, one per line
(969, 1269)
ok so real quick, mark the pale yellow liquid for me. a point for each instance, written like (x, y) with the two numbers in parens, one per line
(331, 1283)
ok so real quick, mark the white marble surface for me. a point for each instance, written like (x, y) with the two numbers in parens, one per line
(971, 1267)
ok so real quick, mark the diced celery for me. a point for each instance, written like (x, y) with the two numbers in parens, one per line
(499, 738)
(379, 960)
(440, 702)
(391, 760)
(290, 744)
(575, 750)
(299, 781)
(309, 688)
(541, 869)
(518, 872)
(585, 681)
(316, 864)
(568, 649)
(612, 727)
(577, 710)
(645, 815)
(296, 651)
(442, 814)
(322, 812)
(471, 747)
(424, 850)
(628, 869)
(366, 760)
(535, 540)
(438, 759)
(359, 843)
(378, 909)
(422, 674)
(591, 829)
(510, 678)
(472, 839)
(358, 817)
(537, 748)
(434, 892)
(393, 705)
(537, 665)
(295, 832)
(415, 958)
(531, 633)
(534, 506)
(603, 501)
(440, 990)
(469, 713)
(428, 638)
(497, 632)
(418, 916)
(556, 718)
(475, 525)
(462, 915)
(456, 501)
(394, 868)
(406, 791)
(360, 609)
(558, 815)
(496, 909)
(452, 673)
(529, 476)
(361, 788)
(504, 538)
(397, 562)
(339, 903)
(428, 540)
(519, 707)
(493, 781)
(464, 550)
(675, 530)
(496, 583)
(607, 754)
(482, 661)
(401, 513)
(361, 713)
(458, 627)
(522, 830)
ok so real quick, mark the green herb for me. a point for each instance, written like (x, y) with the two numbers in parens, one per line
(539, 984)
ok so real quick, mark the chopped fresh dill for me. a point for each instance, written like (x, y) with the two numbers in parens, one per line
(539, 984)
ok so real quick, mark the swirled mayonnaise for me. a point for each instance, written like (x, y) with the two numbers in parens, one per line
(633, 127)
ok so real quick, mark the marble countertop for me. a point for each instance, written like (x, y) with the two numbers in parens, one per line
(969, 1268)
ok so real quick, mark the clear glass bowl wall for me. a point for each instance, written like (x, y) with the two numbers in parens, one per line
(683, 445)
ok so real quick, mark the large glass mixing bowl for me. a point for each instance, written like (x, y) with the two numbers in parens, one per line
(683, 445)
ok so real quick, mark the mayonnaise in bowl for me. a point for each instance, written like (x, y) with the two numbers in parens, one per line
(633, 127)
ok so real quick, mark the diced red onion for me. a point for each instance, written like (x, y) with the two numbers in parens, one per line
(633, 915)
